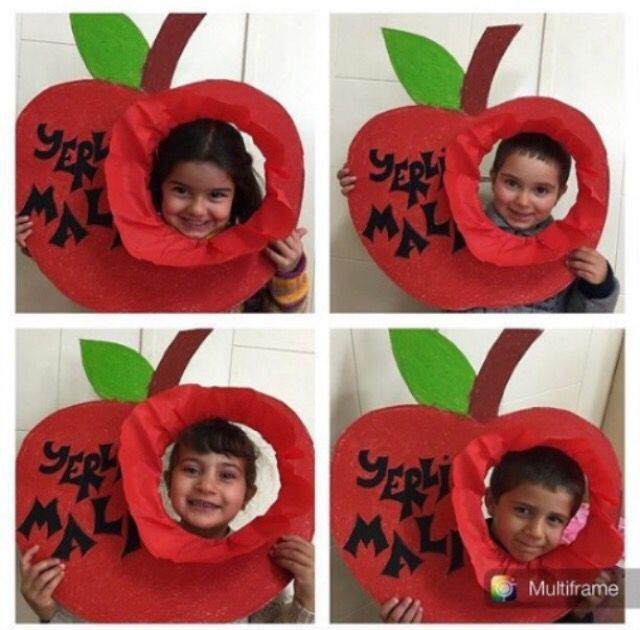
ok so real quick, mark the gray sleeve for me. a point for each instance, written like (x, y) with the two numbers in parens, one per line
(578, 302)
(283, 609)
(64, 616)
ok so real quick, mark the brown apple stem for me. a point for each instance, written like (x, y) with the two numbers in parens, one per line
(492, 379)
(176, 358)
(483, 65)
(166, 50)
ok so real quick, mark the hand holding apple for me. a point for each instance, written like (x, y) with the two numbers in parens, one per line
(38, 581)
(588, 264)
(24, 227)
(406, 610)
(347, 181)
(286, 254)
(296, 555)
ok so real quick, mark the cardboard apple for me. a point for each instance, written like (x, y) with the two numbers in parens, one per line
(84, 495)
(393, 489)
(416, 206)
(63, 138)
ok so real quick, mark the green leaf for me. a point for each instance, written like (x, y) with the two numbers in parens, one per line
(116, 372)
(434, 369)
(111, 46)
(428, 72)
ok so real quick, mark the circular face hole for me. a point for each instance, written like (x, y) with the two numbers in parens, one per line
(267, 482)
(560, 208)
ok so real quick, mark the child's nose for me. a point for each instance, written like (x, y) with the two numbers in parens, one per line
(535, 527)
(198, 207)
(522, 198)
(208, 483)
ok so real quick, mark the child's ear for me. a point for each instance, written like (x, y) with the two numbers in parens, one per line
(488, 501)
(249, 494)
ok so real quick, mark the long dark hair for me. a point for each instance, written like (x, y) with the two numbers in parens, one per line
(209, 140)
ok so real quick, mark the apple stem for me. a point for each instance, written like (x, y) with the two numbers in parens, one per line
(175, 359)
(499, 365)
(483, 65)
(166, 50)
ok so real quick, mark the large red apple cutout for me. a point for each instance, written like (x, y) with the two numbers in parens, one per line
(63, 138)
(75, 466)
(416, 206)
(393, 489)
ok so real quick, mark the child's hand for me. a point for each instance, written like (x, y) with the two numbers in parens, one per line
(38, 582)
(24, 227)
(589, 604)
(406, 610)
(347, 181)
(286, 254)
(295, 554)
(588, 264)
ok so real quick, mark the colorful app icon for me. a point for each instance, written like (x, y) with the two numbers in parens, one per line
(503, 588)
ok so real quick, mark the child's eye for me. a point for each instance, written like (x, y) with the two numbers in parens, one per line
(179, 190)
(541, 191)
(190, 470)
(510, 183)
(228, 476)
(556, 520)
(520, 509)
(218, 194)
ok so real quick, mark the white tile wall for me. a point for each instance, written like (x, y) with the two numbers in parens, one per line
(552, 55)
(275, 53)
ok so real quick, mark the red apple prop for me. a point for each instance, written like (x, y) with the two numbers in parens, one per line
(63, 138)
(71, 502)
(416, 207)
(392, 516)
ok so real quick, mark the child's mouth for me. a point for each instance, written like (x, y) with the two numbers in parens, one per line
(201, 504)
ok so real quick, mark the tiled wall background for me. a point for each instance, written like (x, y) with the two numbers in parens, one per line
(569, 369)
(279, 363)
(578, 59)
(274, 53)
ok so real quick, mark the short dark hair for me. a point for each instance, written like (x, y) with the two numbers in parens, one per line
(209, 140)
(217, 435)
(541, 465)
(537, 145)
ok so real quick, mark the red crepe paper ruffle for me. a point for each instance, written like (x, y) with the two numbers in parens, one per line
(155, 423)
(598, 546)
(144, 124)
(584, 222)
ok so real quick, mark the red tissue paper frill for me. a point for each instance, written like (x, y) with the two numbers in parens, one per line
(576, 133)
(136, 135)
(599, 545)
(155, 423)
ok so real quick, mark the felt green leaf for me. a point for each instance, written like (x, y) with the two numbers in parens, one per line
(428, 72)
(111, 46)
(116, 372)
(434, 369)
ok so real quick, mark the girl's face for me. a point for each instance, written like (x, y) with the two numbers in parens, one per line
(207, 490)
(197, 199)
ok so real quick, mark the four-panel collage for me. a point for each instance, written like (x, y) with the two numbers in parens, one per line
(266, 373)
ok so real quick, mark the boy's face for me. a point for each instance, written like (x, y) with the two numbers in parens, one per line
(208, 490)
(525, 190)
(528, 521)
